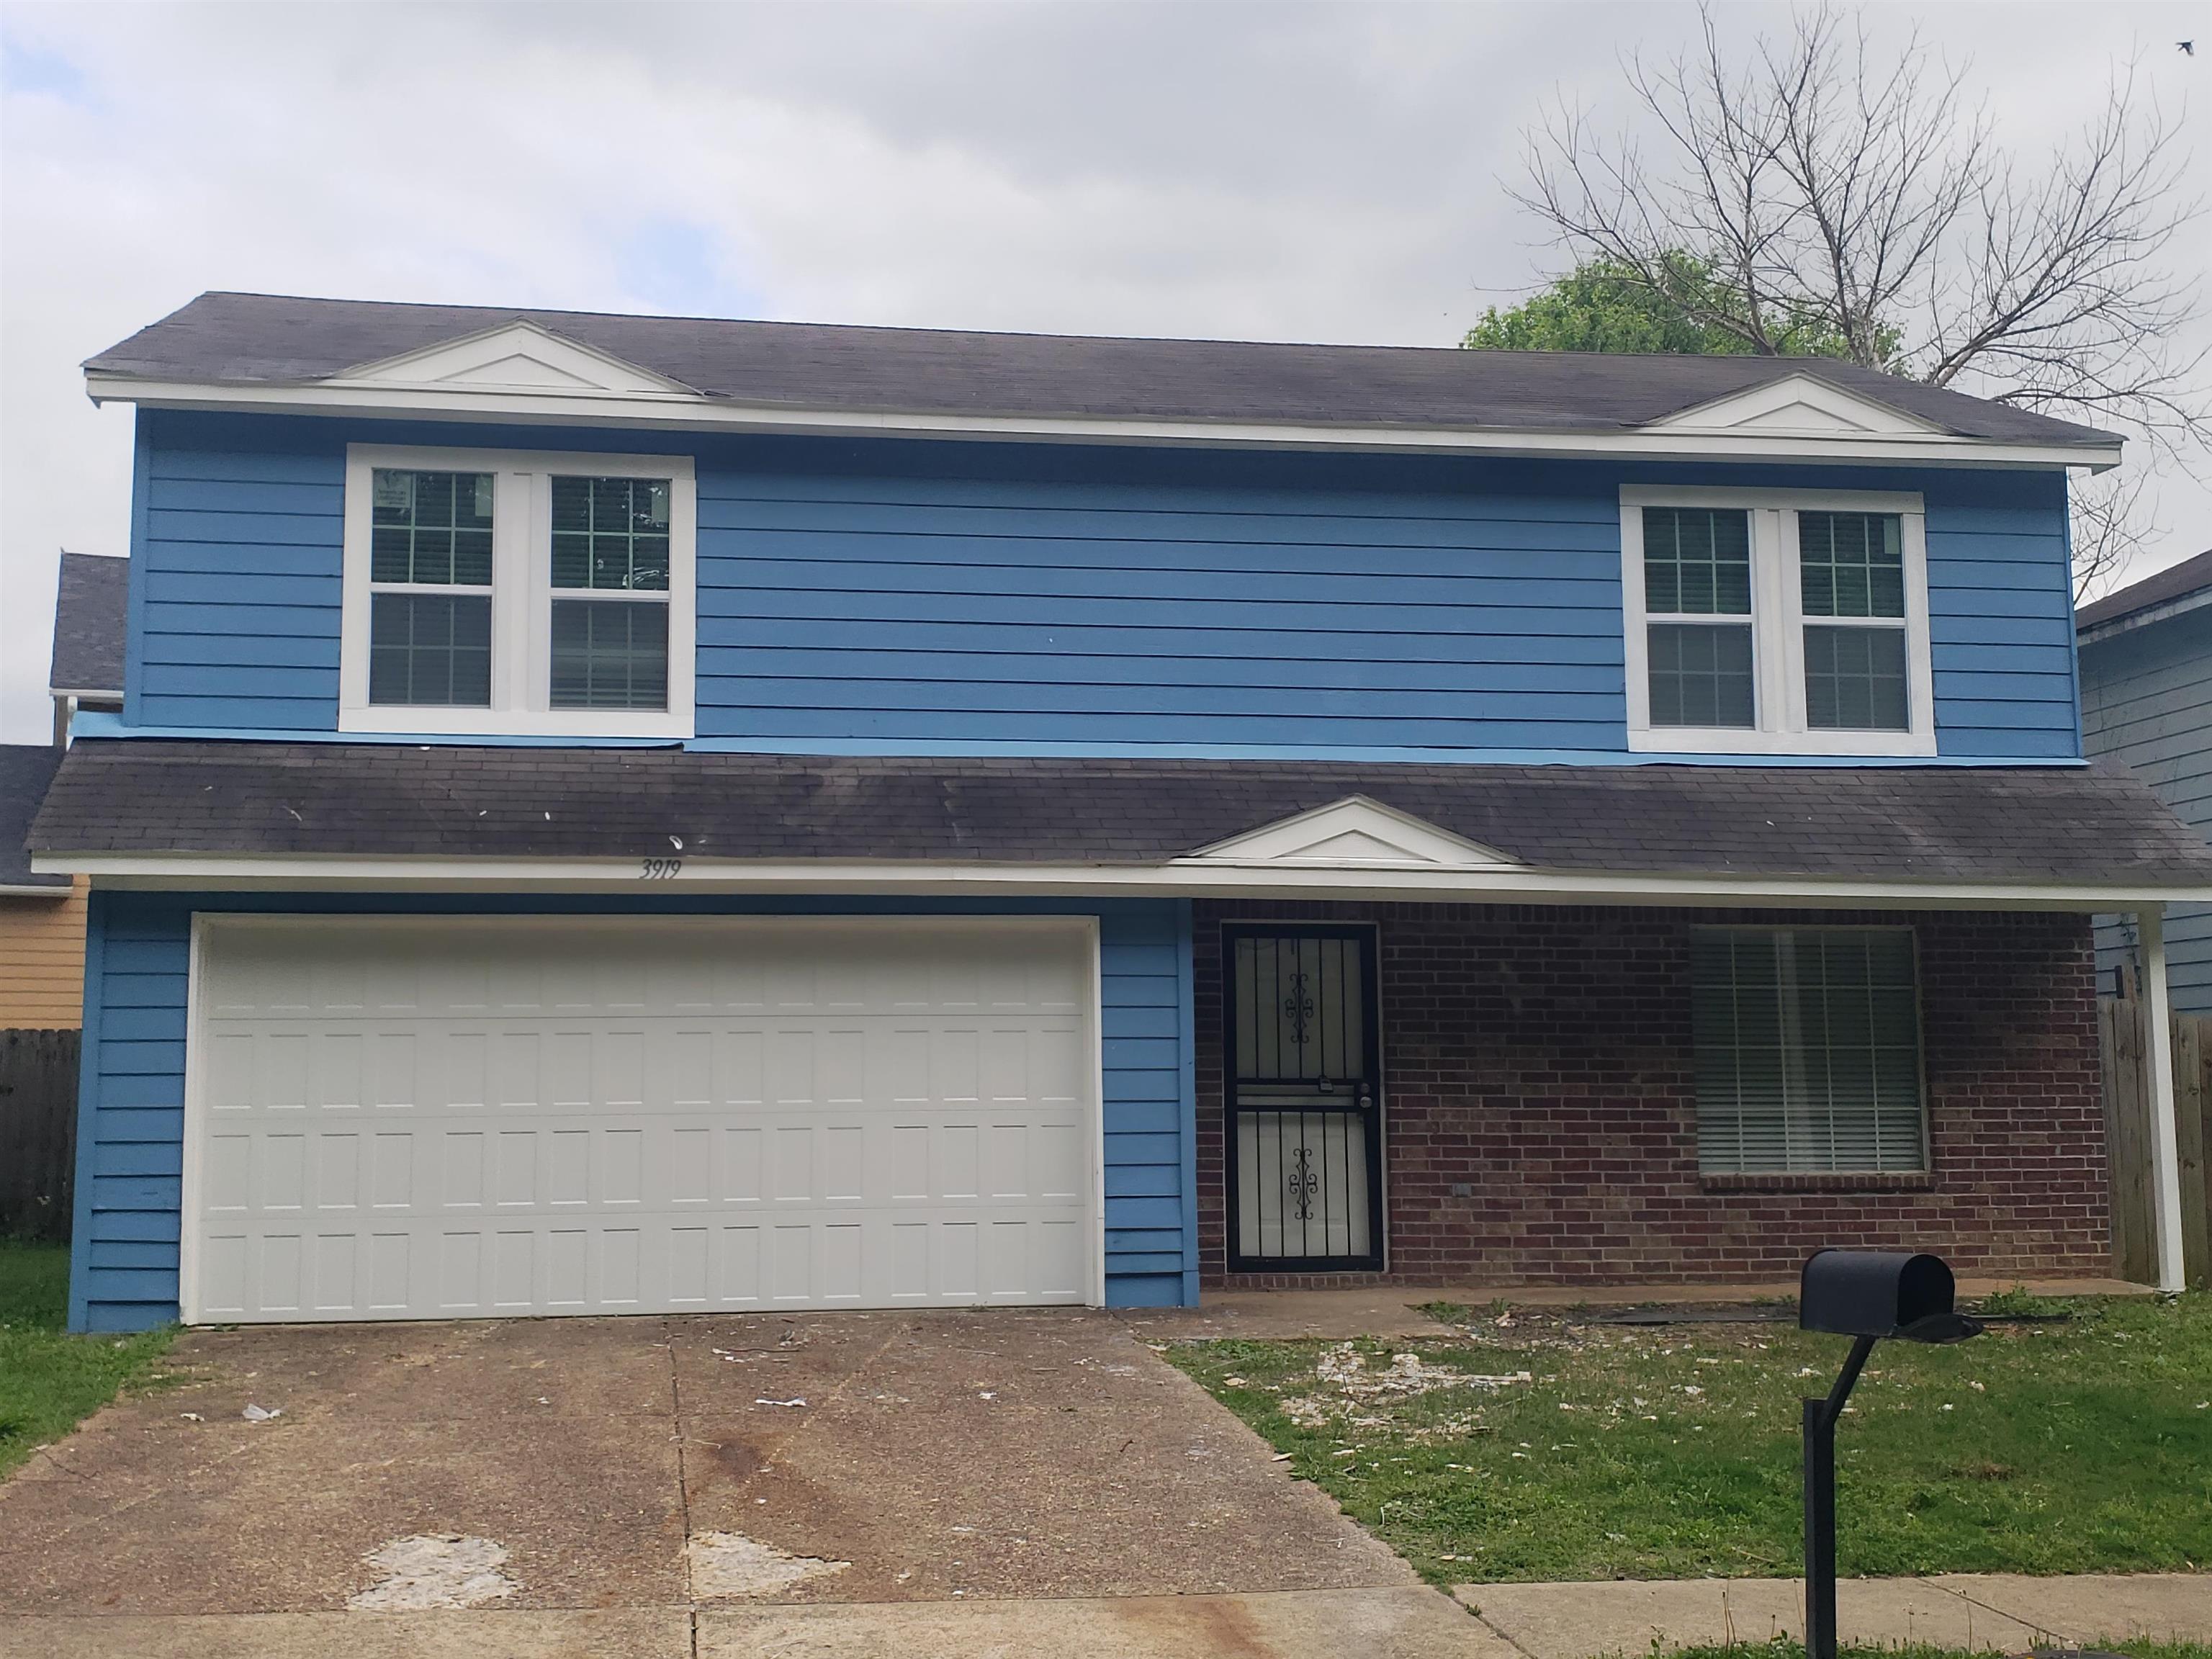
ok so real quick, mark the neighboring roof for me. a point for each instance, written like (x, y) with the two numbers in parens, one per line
(1918, 823)
(89, 624)
(2172, 588)
(249, 339)
(26, 769)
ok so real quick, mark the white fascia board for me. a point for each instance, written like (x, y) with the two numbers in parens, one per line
(26, 889)
(693, 414)
(1183, 878)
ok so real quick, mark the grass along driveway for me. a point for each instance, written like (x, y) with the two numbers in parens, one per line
(50, 1380)
(1549, 1445)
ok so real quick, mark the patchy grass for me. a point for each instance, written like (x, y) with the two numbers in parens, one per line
(50, 1382)
(2073, 1443)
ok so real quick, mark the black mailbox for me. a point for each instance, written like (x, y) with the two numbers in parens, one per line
(1881, 1293)
(1865, 1295)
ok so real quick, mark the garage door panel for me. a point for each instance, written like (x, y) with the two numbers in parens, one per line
(466, 1121)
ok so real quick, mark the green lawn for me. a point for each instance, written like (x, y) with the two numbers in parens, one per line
(50, 1382)
(1652, 1452)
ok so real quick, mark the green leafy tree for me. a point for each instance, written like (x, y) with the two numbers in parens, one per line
(1608, 304)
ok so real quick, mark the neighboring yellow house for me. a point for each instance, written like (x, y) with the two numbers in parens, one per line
(42, 917)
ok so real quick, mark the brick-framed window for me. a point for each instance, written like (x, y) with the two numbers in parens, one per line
(1808, 1051)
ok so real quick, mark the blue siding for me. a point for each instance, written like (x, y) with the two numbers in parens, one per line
(131, 1101)
(956, 598)
(2147, 700)
(236, 551)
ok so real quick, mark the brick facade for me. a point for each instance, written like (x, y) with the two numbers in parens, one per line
(1540, 1060)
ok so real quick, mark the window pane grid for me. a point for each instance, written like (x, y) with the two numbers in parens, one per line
(1697, 561)
(610, 534)
(1851, 564)
(1854, 680)
(431, 650)
(1807, 1050)
(609, 655)
(431, 528)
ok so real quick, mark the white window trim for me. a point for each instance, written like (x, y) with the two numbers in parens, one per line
(1777, 621)
(522, 596)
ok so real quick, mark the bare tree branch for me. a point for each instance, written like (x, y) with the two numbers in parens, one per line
(1824, 180)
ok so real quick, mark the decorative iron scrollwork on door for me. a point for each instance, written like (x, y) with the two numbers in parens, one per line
(1305, 1145)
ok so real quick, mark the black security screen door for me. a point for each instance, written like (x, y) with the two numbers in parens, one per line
(1303, 1098)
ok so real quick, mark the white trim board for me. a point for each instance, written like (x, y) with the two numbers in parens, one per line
(1355, 832)
(1185, 877)
(660, 412)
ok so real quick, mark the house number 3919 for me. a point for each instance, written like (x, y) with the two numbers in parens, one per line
(658, 869)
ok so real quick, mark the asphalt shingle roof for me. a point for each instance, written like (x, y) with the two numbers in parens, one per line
(2176, 581)
(26, 769)
(2030, 825)
(255, 338)
(90, 612)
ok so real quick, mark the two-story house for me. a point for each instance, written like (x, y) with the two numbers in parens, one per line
(640, 813)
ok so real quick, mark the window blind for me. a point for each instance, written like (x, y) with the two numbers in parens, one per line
(1807, 1050)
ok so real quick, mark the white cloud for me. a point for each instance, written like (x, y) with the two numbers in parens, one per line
(1296, 171)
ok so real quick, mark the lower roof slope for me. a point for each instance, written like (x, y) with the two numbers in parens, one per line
(2029, 825)
(26, 769)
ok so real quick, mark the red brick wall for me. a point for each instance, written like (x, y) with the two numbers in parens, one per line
(1540, 1058)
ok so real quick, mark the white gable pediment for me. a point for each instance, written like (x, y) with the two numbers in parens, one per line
(1799, 406)
(516, 356)
(1353, 834)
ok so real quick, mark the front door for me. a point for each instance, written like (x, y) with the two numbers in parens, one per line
(1302, 1096)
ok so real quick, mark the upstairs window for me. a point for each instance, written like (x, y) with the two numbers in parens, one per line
(503, 591)
(1765, 622)
(1807, 1050)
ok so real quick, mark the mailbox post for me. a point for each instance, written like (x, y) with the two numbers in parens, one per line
(1865, 1295)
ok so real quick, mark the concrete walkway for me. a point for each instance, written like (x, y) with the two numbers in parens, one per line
(1979, 1612)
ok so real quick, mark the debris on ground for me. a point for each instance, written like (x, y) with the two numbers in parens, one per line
(261, 1413)
(434, 1569)
(765, 1402)
(730, 1564)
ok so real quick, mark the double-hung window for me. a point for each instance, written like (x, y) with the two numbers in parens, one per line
(1807, 1050)
(1764, 622)
(505, 592)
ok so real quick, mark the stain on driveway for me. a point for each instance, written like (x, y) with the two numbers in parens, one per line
(943, 1456)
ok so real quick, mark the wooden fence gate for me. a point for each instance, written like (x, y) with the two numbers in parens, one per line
(37, 1133)
(2127, 1135)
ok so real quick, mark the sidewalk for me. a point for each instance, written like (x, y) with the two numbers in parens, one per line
(2001, 1612)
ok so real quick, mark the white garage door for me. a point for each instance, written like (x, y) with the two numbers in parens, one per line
(467, 1117)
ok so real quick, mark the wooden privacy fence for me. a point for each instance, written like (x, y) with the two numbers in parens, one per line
(2127, 1133)
(37, 1133)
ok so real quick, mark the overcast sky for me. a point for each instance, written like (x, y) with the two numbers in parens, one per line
(1281, 171)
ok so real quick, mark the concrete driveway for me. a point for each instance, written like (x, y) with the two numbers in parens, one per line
(929, 1484)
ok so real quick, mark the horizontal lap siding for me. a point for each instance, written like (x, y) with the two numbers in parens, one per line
(984, 610)
(2147, 700)
(237, 545)
(953, 598)
(42, 959)
(131, 1112)
(2001, 616)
